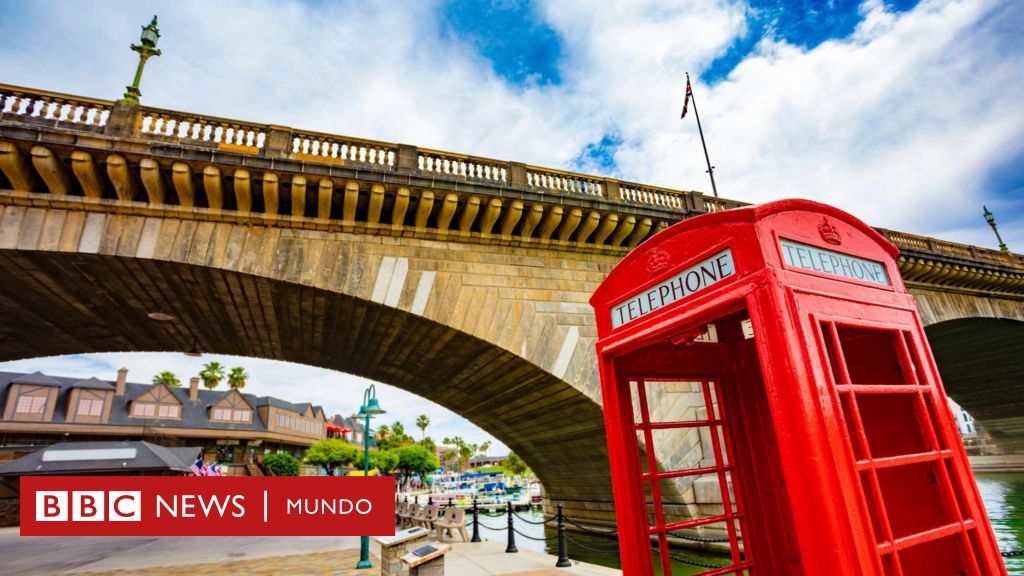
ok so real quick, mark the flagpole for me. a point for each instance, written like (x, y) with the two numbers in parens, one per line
(711, 169)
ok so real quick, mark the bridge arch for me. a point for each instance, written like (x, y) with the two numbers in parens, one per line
(489, 335)
(979, 360)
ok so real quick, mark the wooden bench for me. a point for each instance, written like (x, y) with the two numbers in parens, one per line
(454, 520)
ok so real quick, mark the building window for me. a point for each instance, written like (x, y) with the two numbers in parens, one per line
(242, 415)
(143, 410)
(88, 407)
(169, 411)
(31, 404)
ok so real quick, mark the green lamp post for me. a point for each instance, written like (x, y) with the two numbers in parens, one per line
(145, 48)
(991, 219)
(369, 409)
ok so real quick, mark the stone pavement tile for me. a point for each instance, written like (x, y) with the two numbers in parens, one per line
(340, 563)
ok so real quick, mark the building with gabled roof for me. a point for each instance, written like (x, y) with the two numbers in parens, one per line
(232, 427)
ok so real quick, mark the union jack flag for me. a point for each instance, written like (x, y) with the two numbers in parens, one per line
(686, 101)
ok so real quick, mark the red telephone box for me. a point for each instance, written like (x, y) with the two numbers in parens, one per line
(782, 338)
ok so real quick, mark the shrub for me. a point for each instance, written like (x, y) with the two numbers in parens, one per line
(281, 464)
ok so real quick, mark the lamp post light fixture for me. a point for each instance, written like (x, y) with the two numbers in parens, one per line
(991, 219)
(369, 409)
(146, 48)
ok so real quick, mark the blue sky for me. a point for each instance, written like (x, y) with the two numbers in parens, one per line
(907, 114)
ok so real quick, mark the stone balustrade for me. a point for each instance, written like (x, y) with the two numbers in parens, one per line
(60, 109)
(454, 193)
(195, 129)
(460, 166)
(319, 147)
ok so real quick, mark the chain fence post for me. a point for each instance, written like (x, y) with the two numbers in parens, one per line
(476, 522)
(563, 553)
(511, 548)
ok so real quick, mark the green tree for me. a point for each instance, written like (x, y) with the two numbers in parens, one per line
(416, 459)
(422, 422)
(332, 453)
(398, 429)
(237, 378)
(211, 374)
(515, 464)
(281, 464)
(167, 378)
(384, 460)
(429, 444)
(482, 449)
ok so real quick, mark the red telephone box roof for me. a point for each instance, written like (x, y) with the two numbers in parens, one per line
(752, 238)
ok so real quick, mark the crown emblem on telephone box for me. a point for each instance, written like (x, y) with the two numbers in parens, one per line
(658, 263)
(829, 233)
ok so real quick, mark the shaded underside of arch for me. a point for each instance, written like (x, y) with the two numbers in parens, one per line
(62, 303)
(981, 361)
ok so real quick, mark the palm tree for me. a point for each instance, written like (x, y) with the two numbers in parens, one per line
(237, 378)
(383, 431)
(167, 378)
(212, 373)
(422, 422)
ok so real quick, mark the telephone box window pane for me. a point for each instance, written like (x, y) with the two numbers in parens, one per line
(676, 448)
(958, 491)
(846, 404)
(670, 401)
(929, 403)
(913, 499)
(872, 356)
(830, 351)
(941, 556)
(891, 424)
(873, 511)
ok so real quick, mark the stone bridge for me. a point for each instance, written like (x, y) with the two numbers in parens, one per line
(462, 279)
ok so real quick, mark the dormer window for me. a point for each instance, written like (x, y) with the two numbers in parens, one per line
(30, 404)
(154, 410)
(90, 407)
(229, 415)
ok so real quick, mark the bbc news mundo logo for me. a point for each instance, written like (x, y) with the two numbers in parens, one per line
(201, 506)
(89, 506)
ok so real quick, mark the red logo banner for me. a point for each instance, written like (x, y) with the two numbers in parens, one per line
(200, 506)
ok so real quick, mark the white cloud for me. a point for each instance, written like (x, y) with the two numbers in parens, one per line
(900, 124)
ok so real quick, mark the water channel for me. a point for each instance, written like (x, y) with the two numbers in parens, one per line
(1003, 495)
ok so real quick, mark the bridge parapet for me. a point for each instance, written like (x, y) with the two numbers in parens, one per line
(224, 168)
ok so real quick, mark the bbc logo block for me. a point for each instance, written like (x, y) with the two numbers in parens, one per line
(88, 506)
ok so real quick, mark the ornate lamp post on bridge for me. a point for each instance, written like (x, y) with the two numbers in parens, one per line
(146, 48)
(369, 409)
(991, 219)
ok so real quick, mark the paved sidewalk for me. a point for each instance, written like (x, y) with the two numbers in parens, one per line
(482, 559)
(181, 556)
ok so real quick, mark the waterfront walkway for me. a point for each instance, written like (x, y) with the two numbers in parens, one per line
(95, 556)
